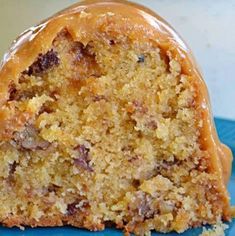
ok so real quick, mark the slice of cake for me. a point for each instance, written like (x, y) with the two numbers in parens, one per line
(105, 119)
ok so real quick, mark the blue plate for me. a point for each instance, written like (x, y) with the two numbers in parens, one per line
(226, 131)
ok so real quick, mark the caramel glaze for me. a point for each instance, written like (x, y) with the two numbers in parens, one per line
(103, 20)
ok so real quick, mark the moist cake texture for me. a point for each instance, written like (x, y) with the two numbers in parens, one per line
(106, 126)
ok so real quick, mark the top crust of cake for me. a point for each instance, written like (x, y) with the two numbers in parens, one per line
(95, 19)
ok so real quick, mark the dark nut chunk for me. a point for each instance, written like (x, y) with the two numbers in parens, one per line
(12, 91)
(53, 188)
(43, 63)
(98, 98)
(141, 206)
(141, 59)
(12, 168)
(76, 206)
(29, 139)
(83, 160)
(152, 124)
(111, 42)
(139, 107)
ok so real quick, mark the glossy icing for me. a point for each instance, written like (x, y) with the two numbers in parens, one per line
(82, 22)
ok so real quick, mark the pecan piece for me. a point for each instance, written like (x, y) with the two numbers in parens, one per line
(76, 206)
(29, 139)
(43, 63)
(83, 158)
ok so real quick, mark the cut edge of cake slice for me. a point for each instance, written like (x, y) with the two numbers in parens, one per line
(105, 118)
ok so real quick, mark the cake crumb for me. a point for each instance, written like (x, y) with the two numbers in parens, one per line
(22, 227)
(216, 230)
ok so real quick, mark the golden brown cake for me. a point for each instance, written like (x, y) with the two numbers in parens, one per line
(105, 118)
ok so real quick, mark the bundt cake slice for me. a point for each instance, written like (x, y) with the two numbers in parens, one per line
(105, 118)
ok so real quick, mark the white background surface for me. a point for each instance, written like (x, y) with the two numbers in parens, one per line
(208, 27)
